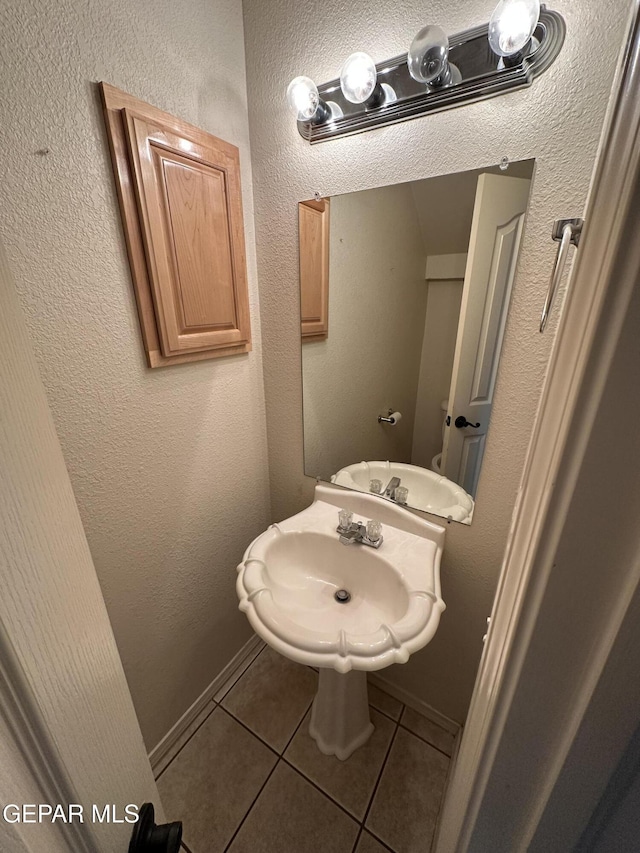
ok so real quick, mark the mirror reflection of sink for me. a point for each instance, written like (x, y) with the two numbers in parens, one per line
(428, 491)
(346, 609)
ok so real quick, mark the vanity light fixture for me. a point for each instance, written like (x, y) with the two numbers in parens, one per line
(305, 102)
(428, 59)
(359, 80)
(439, 72)
(511, 27)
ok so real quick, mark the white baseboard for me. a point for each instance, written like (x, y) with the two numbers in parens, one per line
(171, 743)
(412, 701)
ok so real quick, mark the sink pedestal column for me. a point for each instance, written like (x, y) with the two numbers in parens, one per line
(340, 720)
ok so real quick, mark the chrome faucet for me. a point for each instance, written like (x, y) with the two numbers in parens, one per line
(355, 531)
(392, 485)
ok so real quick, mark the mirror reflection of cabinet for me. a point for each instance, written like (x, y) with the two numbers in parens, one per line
(421, 276)
(313, 218)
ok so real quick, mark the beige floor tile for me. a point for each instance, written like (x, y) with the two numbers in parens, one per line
(349, 782)
(406, 804)
(237, 675)
(272, 697)
(184, 737)
(291, 816)
(385, 703)
(368, 844)
(424, 728)
(213, 781)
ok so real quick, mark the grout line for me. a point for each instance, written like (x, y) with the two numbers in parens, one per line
(308, 708)
(376, 786)
(188, 739)
(380, 841)
(424, 740)
(242, 675)
(386, 714)
(246, 814)
(357, 841)
(251, 732)
(323, 792)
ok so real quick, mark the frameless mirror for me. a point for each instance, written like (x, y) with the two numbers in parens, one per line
(405, 292)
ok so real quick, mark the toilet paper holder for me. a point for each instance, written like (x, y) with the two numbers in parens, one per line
(392, 418)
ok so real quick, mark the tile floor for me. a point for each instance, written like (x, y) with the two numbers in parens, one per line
(249, 779)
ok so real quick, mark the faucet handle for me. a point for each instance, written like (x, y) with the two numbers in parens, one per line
(401, 495)
(345, 517)
(374, 530)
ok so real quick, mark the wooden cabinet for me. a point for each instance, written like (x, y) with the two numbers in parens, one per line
(180, 197)
(313, 218)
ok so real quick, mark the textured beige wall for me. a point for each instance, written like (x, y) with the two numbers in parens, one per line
(169, 467)
(370, 360)
(557, 121)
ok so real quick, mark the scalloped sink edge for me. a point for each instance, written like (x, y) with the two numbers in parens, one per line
(396, 603)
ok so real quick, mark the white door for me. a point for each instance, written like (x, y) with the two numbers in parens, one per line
(68, 729)
(496, 228)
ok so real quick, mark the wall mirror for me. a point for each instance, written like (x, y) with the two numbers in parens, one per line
(405, 292)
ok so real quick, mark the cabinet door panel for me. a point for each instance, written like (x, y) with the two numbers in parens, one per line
(181, 204)
(183, 192)
(198, 222)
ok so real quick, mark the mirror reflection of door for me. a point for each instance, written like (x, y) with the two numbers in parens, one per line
(420, 277)
(498, 218)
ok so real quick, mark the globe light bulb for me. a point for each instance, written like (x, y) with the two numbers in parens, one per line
(358, 77)
(428, 58)
(512, 24)
(303, 98)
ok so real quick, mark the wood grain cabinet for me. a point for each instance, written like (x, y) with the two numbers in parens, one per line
(313, 220)
(180, 197)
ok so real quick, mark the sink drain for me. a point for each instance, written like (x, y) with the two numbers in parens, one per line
(342, 596)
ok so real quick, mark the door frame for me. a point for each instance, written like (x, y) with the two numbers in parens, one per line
(605, 270)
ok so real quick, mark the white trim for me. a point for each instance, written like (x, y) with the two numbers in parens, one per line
(589, 329)
(447, 783)
(31, 740)
(166, 749)
(237, 666)
(418, 705)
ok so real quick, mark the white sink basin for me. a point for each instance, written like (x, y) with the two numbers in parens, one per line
(428, 491)
(290, 573)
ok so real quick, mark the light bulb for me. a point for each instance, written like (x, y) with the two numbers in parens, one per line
(303, 98)
(428, 58)
(358, 77)
(512, 24)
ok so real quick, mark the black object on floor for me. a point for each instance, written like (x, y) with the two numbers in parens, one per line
(147, 837)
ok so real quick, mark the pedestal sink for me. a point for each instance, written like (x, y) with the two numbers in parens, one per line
(346, 609)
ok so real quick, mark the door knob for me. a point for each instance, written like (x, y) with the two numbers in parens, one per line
(149, 837)
(461, 422)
